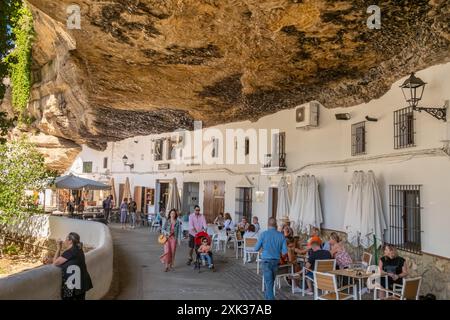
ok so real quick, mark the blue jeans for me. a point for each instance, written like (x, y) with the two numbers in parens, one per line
(270, 268)
(207, 257)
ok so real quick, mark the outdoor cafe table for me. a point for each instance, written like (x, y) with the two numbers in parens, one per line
(356, 275)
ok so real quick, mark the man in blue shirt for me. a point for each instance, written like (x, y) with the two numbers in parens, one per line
(274, 245)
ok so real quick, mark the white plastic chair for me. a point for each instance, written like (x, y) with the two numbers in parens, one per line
(220, 238)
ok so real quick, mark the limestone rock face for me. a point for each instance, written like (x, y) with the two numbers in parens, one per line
(145, 66)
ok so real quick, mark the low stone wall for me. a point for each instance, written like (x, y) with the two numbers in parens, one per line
(45, 282)
(435, 271)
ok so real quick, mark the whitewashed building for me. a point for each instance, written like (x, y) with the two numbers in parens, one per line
(406, 149)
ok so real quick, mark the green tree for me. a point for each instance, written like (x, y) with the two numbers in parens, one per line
(22, 169)
(16, 35)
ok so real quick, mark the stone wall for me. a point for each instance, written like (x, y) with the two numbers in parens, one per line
(435, 271)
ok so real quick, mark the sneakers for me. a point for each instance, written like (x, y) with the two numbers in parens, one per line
(211, 266)
(297, 290)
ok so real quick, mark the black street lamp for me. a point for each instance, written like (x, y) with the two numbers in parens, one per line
(412, 89)
(125, 162)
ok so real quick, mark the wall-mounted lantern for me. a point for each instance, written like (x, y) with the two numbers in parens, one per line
(412, 89)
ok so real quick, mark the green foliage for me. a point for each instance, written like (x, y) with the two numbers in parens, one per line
(11, 250)
(22, 171)
(16, 28)
(5, 124)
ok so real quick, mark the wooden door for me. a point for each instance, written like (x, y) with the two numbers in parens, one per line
(274, 197)
(213, 199)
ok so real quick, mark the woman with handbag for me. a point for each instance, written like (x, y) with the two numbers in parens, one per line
(173, 232)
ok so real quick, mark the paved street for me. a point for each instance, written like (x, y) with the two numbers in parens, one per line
(141, 276)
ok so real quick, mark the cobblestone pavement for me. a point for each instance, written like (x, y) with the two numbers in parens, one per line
(139, 273)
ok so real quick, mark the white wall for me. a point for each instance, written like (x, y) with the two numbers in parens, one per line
(331, 141)
(45, 282)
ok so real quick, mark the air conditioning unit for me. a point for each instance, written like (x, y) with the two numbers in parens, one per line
(307, 115)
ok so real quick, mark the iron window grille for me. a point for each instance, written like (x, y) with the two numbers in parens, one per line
(215, 148)
(87, 167)
(105, 162)
(405, 215)
(359, 138)
(157, 150)
(243, 203)
(404, 126)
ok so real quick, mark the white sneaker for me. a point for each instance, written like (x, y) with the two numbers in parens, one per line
(309, 292)
(297, 290)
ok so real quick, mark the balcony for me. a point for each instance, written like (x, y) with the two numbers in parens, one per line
(274, 164)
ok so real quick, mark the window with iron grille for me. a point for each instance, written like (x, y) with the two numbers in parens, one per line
(405, 214)
(105, 163)
(158, 149)
(87, 167)
(215, 148)
(359, 138)
(404, 128)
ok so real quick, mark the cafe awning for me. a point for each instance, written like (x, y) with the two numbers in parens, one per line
(73, 182)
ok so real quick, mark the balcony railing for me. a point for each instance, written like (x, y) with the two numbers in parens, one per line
(268, 163)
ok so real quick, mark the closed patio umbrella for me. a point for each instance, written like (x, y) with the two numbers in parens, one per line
(126, 190)
(283, 204)
(113, 192)
(353, 209)
(297, 192)
(173, 201)
(373, 223)
(310, 209)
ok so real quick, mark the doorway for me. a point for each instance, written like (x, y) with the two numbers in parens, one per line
(161, 196)
(190, 196)
(273, 202)
(213, 199)
(145, 199)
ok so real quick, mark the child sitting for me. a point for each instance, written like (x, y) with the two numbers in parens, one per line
(205, 252)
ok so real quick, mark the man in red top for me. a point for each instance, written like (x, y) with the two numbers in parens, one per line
(197, 223)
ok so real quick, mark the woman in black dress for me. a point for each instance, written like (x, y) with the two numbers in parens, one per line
(394, 265)
(75, 277)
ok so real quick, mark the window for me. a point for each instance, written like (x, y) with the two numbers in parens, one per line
(87, 167)
(247, 146)
(404, 128)
(105, 162)
(157, 149)
(404, 210)
(215, 148)
(243, 204)
(359, 138)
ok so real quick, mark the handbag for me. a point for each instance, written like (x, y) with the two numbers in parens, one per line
(162, 239)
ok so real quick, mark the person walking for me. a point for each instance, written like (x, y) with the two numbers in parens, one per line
(197, 223)
(172, 230)
(124, 213)
(132, 208)
(273, 244)
(107, 206)
(73, 256)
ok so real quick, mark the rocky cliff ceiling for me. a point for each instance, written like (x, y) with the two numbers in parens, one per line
(144, 66)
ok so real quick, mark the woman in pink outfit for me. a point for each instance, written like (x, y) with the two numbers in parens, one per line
(172, 229)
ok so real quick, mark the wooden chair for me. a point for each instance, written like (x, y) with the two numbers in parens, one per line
(320, 266)
(249, 244)
(409, 290)
(327, 283)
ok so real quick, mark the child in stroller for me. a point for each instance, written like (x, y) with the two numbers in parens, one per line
(203, 252)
